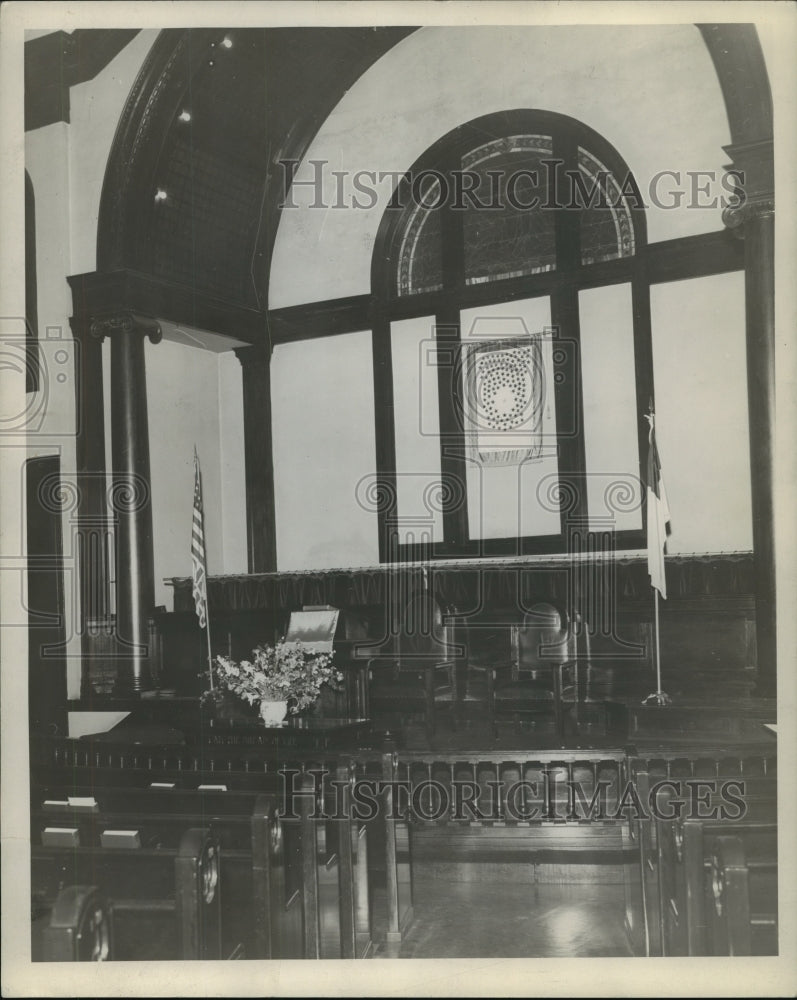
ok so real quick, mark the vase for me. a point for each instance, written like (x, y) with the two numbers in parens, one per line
(273, 712)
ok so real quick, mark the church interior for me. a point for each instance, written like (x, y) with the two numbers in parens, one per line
(391, 340)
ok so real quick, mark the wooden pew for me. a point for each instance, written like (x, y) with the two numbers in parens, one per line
(294, 887)
(686, 895)
(78, 927)
(742, 896)
(163, 903)
(640, 878)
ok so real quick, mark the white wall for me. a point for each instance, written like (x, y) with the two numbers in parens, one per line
(701, 411)
(657, 100)
(650, 91)
(183, 410)
(95, 109)
(323, 432)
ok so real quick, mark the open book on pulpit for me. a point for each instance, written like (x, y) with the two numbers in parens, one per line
(314, 626)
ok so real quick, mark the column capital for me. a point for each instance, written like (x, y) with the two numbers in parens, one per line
(125, 321)
(256, 354)
(752, 167)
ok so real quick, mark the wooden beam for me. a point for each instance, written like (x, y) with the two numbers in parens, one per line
(104, 291)
(694, 257)
(261, 525)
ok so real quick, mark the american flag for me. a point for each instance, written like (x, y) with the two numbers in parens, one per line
(198, 569)
(658, 514)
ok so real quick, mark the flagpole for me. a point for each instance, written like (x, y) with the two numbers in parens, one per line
(210, 654)
(658, 697)
(199, 567)
(658, 642)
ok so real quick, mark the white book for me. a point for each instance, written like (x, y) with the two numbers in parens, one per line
(82, 802)
(60, 836)
(212, 788)
(120, 838)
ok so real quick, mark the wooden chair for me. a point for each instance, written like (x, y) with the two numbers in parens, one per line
(418, 676)
(486, 641)
(542, 647)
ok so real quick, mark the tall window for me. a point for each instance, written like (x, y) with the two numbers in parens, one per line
(511, 342)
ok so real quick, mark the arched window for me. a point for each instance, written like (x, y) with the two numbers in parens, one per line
(508, 269)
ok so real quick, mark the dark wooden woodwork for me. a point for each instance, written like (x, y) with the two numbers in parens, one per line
(738, 59)
(693, 257)
(753, 220)
(693, 905)
(159, 898)
(45, 595)
(320, 319)
(744, 917)
(100, 292)
(93, 525)
(131, 506)
(261, 524)
(288, 874)
(567, 392)
(78, 929)
(386, 491)
(669, 260)
(759, 238)
(707, 630)
(453, 476)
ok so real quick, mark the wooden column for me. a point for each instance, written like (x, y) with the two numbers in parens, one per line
(754, 221)
(130, 499)
(90, 470)
(261, 528)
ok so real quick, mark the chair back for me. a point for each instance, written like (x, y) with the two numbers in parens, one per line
(423, 636)
(539, 642)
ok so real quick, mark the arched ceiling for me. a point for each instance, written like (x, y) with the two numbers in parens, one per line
(194, 181)
(193, 185)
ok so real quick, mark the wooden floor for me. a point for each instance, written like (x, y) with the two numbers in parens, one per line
(482, 920)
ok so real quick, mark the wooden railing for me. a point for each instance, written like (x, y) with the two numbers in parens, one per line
(537, 803)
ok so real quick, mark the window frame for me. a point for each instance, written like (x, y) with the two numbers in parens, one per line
(561, 285)
(699, 255)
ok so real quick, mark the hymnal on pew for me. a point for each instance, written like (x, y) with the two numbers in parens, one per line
(57, 836)
(83, 802)
(120, 838)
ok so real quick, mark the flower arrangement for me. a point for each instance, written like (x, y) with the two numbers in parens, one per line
(287, 671)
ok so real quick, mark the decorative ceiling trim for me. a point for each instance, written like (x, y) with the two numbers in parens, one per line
(149, 110)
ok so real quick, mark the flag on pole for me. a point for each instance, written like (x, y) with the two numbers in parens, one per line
(658, 513)
(198, 568)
